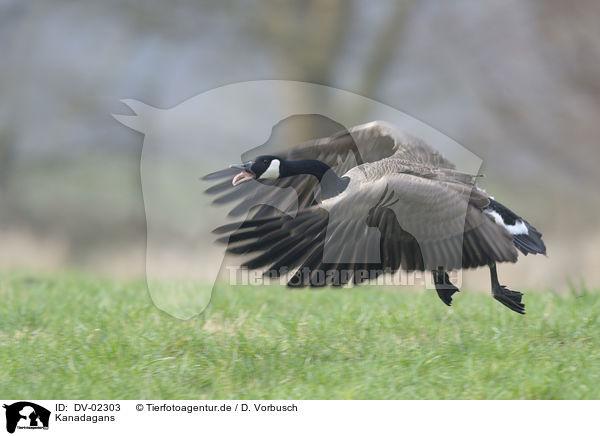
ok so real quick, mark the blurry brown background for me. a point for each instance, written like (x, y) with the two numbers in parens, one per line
(517, 83)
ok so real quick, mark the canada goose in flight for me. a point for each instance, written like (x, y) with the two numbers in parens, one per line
(370, 178)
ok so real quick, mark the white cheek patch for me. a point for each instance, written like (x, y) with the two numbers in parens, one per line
(273, 171)
(518, 228)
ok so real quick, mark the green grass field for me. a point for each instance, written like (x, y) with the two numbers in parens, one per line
(74, 337)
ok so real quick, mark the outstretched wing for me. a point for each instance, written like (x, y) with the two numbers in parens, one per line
(342, 151)
(398, 221)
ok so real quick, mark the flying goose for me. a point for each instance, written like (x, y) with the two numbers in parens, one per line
(369, 200)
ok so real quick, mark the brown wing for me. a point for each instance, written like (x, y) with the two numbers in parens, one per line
(342, 151)
(398, 221)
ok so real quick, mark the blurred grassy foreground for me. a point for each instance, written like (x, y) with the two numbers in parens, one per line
(69, 336)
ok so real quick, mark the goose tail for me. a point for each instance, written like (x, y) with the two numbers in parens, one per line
(527, 238)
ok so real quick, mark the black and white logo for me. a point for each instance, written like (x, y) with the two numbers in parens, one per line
(26, 415)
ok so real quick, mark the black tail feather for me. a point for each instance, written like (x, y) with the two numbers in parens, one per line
(531, 242)
(528, 243)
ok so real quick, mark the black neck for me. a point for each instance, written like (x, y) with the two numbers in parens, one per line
(295, 167)
(331, 184)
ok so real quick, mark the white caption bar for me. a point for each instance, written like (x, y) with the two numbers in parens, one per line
(299, 417)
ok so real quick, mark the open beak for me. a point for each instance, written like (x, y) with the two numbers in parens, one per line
(245, 175)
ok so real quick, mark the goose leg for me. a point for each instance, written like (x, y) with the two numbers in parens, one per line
(444, 288)
(511, 299)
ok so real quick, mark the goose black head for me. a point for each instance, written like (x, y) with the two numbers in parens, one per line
(264, 167)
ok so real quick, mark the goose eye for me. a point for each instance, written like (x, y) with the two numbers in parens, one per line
(265, 161)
